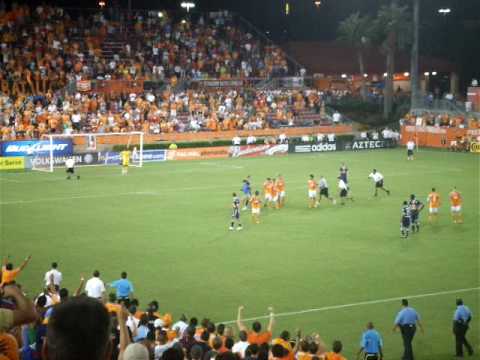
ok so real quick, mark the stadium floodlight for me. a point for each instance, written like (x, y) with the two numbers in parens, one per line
(365, 75)
(434, 73)
(426, 73)
(385, 74)
(406, 74)
(444, 11)
(344, 76)
(187, 5)
(160, 14)
(102, 4)
(317, 3)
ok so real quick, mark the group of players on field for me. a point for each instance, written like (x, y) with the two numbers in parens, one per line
(274, 197)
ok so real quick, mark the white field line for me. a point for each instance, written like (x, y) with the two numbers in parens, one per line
(195, 188)
(191, 170)
(361, 303)
(93, 196)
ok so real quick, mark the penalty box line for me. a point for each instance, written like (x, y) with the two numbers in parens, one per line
(361, 303)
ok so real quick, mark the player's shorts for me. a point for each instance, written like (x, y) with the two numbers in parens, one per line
(281, 194)
(457, 208)
(275, 198)
(414, 218)
(433, 210)
(312, 194)
(406, 222)
(379, 184)
(343, 193)
(255, 211)
(236, 214)
(324, 192)
(409, 152)
(268, 197)
(125, 163)
(70, 170)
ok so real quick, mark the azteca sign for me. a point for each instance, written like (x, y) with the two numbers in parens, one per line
(367, 144)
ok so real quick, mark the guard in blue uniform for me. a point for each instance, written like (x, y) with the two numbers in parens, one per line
(407, 320)
(461, 320)
(235, 213)
(405, 220)
(371, 344)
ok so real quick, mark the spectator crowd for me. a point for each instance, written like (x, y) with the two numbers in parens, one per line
(59, 325)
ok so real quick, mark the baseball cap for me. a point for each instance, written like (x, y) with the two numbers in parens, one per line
(158, 323)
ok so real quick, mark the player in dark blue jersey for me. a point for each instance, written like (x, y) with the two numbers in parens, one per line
(415, 207)
(247, 192)
(235, 213)
(405, 220)
(344, 173)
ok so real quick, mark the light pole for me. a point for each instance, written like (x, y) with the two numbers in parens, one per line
(187, 5)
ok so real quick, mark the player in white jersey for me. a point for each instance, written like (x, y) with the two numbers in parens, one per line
(70, 165)
(378, 180)
(323, 187)
(410, 149)
(343, 187)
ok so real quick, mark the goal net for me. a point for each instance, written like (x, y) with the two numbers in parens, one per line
(87, 149)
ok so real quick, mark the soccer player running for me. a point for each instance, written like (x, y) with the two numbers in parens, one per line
(415, 207)
(377, 178)
(281, 191)
(70, 165)
(256, 205)
(312, 192)
(343, 187)
(247, 192)
(125, 156)
(323, 187)
(433, 201)
(456, 206)
(235, 213)
(405, 220)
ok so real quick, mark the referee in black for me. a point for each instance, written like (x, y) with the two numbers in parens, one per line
(407, 320)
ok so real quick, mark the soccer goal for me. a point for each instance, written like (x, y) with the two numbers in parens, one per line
(88, 149)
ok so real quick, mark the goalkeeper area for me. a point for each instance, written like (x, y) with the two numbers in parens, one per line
(329, 270)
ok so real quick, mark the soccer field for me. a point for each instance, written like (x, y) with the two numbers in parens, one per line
(167, 225)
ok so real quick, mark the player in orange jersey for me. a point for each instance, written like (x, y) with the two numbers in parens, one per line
(256, 204)
(312, 192)
(433, 201)
(281, 191)
(456, 206)
(274, 203)
(267, 192)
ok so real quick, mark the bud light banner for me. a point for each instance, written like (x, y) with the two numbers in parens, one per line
(60, 147)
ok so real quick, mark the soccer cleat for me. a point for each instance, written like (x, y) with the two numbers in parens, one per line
(231, 228)
(239, 228)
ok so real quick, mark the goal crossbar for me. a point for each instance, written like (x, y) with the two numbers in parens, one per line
(137, 159)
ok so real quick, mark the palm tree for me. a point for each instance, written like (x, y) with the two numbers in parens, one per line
(355, 31)
(394, 30)
(414, 73)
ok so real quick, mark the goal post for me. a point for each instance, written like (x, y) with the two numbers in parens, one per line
(87, 149)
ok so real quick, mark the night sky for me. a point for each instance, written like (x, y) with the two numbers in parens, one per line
(455, 37)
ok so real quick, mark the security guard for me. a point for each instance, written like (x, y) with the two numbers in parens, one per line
(407, 320)
(461, 319)
(371, 344)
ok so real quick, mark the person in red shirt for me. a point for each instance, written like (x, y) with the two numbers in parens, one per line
(256, 336)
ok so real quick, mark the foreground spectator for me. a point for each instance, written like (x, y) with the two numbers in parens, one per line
(256, 336)
(24, 312)
(78, 329)
(9, 273)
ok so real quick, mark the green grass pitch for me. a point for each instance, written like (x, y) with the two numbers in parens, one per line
(167, 226)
